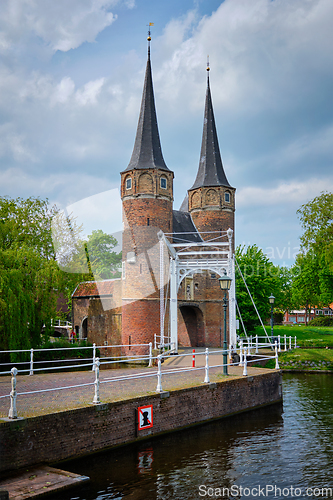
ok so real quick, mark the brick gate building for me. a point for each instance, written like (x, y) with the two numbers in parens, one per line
(128, 310)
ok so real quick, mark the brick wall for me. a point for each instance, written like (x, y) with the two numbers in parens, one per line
(69, 434)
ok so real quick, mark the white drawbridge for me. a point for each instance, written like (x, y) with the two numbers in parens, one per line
(213, 253)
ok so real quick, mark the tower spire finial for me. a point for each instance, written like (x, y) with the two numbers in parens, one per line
(208, 70)
(149, 38)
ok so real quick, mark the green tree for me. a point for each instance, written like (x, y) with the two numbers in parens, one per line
(104, 261)
(262, 279)
(28, 272)
(316, 218)
(30, 278)
(305, 289)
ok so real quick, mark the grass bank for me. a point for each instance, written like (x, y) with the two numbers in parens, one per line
(307, 336)
(304, 359)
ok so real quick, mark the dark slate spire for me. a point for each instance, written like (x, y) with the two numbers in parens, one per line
(147, 151)
(211, 172)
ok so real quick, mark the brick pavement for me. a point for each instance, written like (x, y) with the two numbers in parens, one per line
(110, 389)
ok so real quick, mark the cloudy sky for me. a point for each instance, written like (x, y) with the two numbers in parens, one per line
(71, 77)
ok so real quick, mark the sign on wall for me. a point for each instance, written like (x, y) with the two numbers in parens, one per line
(145, 417)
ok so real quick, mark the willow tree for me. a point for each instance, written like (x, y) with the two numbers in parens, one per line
(30, 279)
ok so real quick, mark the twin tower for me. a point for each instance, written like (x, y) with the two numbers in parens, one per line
(147, 198)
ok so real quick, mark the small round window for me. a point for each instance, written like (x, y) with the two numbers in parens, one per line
(128, 183)
(163, 183)
(227, 197)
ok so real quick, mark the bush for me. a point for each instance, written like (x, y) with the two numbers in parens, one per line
(321, 321)
(55, 354)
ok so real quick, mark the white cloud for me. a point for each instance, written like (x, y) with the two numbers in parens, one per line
(69, 186)
(90, 91)
(14, 144)
(64, 90)
(293, 193)
(263, 53)
(61, 24)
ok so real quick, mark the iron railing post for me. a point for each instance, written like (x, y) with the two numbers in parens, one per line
(150, 354)
(96, 399)
(13, 395)
(206, 381)
(276, 357)
(245, 364)
(31, 362)
(159, 374)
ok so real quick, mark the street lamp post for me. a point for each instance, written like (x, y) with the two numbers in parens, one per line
(225, 283)
(271, 300)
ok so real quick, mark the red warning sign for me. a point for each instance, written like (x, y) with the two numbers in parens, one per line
(145, 417)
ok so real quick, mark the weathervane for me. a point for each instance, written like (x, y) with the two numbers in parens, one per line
(208, 68)
(149, 37)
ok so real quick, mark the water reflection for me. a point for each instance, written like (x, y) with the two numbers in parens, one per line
(273, 445)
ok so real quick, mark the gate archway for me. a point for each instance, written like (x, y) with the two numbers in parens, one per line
(191, 330)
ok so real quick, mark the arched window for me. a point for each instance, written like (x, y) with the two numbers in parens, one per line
(128, 183)
(163, 182)
(227, 197)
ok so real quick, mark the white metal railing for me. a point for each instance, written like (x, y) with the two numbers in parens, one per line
(256, 342)
(60, 322)
(161, 342)
(244, 361)
(52, 364)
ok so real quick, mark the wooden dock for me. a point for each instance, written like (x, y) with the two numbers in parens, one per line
(39, 481)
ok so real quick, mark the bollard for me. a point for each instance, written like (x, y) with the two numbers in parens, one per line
(290, 342)
(13, 394)
(193, 359)
(150, 354)
(31, 362)
(257, 344)
(155, 346)
(241, 353)
(94, 357)
(245, 364)
(96, 383)
(285, 342)
(206, 381)
(279, 342)
(159, 374)
(276, 357)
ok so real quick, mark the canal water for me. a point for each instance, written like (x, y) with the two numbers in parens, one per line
(273, 452)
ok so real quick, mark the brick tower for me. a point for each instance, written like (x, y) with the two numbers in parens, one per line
(147, 197)
(211, 205)
(211, 199)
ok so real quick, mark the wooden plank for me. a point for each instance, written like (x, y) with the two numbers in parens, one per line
(39, 481)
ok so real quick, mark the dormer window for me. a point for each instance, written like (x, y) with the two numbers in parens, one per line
(128, 183)
(163, 183)
(227, 197)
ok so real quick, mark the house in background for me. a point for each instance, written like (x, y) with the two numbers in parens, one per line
(298, 316)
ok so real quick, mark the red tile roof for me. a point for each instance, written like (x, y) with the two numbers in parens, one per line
(95, 288)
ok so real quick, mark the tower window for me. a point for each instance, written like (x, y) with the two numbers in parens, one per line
(148, 221)
(227, 197)
(128, 183)
(163, 183)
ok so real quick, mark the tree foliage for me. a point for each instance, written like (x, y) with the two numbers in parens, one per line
(305, 289)
(263, 279)
(103, 260)
(42, 254)
(29, 274)
(315, 264)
